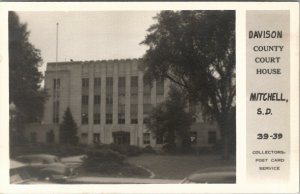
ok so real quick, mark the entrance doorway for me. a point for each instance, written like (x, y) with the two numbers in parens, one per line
(121, 137)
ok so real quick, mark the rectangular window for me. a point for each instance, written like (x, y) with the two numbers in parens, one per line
(97, 82)
(85, 83)
(96, 118)
(121, 118)
(160, 87)
(193, 137)
(147, 110)
(109, 118)
(56, 84)
(134, 113)
(146, 88)
(109, 100)
(121, 86)
(56, 94)
(97, 99)
(85, 100)
(56, 112)
(109, 84)
(84, 118)
(121, 113)
(96, 138)
(134, 81)
(146, 138)
(134, 85)
(212, 137)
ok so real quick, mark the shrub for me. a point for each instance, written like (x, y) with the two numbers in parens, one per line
(148, 149)
(127, 150)
(170, 148)
(105, 160)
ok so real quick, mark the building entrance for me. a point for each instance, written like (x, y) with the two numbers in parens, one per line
(121, 138)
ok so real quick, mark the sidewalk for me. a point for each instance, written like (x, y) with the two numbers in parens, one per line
(111, 180)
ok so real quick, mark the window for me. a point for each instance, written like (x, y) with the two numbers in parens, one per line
(212, 137)
(146, 138)
(121, 118)
(56, 84)
(160, 87)
(134, 113)
(121, 138)
(56, 94)
(109, 85)
(121, 114)
(134, 81)
(134, 85)
(109, 118)
(109, 100)
(121, 86)
(85, 82)
(97, 99)
(85, 100)
(56, 112)
(193, 137)
(96, 138)
(96, 118)
(146, 89)
(97, 82)
(84, 118)
(147, 110)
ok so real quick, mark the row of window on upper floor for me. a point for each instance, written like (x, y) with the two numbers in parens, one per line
(108, 118)
(109, 100)
(122, 85)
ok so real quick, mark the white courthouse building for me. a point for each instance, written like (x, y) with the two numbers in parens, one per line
(109, 101)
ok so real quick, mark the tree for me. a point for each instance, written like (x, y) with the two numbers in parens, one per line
(68, 129)
(24, 78)
(170, 119)
(196, 50)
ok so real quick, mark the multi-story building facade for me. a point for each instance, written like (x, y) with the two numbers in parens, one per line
(109, 101)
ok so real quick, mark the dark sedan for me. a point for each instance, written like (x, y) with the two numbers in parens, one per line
(222, 175)
(47, 167)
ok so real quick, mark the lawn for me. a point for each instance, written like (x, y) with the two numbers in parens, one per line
(177, 166)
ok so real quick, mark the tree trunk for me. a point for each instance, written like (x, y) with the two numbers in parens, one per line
(225, 154)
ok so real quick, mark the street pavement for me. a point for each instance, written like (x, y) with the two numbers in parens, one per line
(113, 180)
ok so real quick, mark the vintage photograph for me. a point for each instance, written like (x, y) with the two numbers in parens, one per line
(122, 97)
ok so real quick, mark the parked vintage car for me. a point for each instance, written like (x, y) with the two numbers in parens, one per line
(48, 167)
(225, 175)
(18, 173)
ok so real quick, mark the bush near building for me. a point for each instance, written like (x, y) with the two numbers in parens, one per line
(109, 162)
(127, 150)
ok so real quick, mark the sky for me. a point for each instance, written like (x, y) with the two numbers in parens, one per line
(88, 35)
